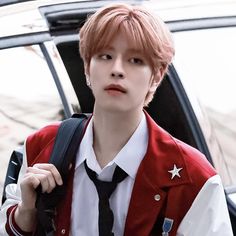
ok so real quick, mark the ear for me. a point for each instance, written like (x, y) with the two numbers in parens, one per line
(154, 85)
(86, 72)
(86, 69)
(160, 74)
(156, 79)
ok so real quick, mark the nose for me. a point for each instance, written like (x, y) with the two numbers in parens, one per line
(118, 75)
(118, 69)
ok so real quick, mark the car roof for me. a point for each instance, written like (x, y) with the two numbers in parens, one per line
(28, 17)
(174, 9)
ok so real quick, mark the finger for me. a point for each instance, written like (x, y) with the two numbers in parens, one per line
(52, 169)
(30, 181)
(46, 179)
(47, 183)
(48, 174)
(28, 195)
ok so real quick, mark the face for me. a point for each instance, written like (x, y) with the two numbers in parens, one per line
(120, 77)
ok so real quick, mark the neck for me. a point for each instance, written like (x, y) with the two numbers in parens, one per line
(111, 133)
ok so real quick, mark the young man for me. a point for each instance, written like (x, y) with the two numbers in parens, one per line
(168, 188)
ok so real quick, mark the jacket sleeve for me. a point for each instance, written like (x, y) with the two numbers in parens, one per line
(13, 195)
(208, 214)
(39, 147)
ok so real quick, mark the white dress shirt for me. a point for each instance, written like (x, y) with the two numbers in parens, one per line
(84, 217)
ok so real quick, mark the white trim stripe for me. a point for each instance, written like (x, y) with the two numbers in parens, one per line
(15, 232)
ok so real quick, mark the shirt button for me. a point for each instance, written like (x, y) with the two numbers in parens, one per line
(63, 231)
(157, 197)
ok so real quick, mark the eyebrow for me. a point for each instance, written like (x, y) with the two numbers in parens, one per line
(130, 50)
(133, 50)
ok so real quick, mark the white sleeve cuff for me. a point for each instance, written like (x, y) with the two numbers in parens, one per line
(208, 214)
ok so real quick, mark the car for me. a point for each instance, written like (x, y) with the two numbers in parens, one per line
(42, 77)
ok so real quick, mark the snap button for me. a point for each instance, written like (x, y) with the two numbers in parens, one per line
(63, 231)
(157, 197)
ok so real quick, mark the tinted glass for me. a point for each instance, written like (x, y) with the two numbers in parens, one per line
(206, 63)
(28, 98)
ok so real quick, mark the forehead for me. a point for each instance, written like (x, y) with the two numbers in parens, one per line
(123, 40)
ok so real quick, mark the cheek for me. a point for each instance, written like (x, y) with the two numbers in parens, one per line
(97, 68)
(145, 77)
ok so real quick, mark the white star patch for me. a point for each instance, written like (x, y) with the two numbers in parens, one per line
(175, 172)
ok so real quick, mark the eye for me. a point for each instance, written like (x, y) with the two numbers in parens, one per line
(105, 56)
(136, 61)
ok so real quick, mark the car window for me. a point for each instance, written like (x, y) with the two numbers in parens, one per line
(29, 98)
(205, 61)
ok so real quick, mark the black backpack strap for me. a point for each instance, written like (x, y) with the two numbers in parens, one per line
(67, 142)
(13, 170)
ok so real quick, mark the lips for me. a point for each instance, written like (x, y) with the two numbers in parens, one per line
(115, 87)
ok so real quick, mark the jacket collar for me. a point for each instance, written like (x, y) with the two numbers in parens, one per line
(163, 153)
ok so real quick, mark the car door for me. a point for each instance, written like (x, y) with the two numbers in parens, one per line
(205, 65)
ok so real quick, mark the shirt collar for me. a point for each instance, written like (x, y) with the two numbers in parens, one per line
(129, 157)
